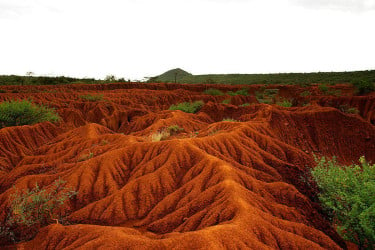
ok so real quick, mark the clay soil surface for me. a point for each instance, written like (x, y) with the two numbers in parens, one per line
(214, 184)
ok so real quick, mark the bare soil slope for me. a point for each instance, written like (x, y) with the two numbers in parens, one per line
(215, 185)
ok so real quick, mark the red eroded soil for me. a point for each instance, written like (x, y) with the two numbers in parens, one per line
(215, 185)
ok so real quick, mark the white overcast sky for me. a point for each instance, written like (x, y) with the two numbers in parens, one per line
(138, 38)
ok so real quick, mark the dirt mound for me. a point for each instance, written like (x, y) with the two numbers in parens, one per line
(213, 184)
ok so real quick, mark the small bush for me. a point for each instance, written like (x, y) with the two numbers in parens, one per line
(92, 98)
(32, 209)
(285, 103)
(347, 109)
(348, 194)
(213, 92)
(188, 107)
(305, 93)
(244, 105)
(334, 92)
(226, 101)
(239, 92)
(323, 88)
(364, 87)
(17, 113)
(3, 91)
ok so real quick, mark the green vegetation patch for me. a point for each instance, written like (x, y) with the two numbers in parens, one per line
(364, 87)
(188, 107)
(213, 92)
(285, 103)
(33, 209)
(244, 92)
(24, 112)
(348, 195)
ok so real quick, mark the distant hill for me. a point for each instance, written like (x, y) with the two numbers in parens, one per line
(173, 75)
(280, 78)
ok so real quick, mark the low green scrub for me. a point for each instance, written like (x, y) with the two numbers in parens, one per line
(33, 209)
(305, 93)
(92, 98)
(285, 103)
(188, 107)
(347, 109)
(239, 92)
(173, 129)
(213, 92)
(348, 195)
(323, 88)
(226, 101)
(364, 87)
(24, 112)
(3, 91)
(244, 105)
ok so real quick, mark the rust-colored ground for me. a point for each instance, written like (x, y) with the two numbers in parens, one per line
(215, 185)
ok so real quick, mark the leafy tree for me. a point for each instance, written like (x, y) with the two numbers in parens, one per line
(24, 112)
(348, 195)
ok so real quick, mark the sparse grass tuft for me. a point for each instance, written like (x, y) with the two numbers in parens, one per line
(160, 135)
(230, 120)
(85, 157)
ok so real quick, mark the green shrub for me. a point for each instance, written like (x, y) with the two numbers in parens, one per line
(347, 109)
(24, 112)
(305, 93)
(348, 194)
(3, 91)
(32, 209)
(285, 103)
(323, 88)
(213, 92)
(239, 92)
(188, 107)
(226, 101)
(364, 87)
(271, 92)
(244, 105)
(335, 92)
(92, 98)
